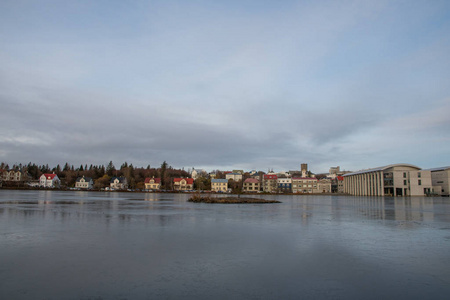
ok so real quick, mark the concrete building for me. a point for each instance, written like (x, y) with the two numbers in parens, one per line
(391, 180)
(307, 185)
(84, 183)
(284, 185)
(251, 185)
(219, 185)
(440, 180)
(270, 183)
(324, 185)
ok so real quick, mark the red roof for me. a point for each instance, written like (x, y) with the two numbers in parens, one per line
(157, 180)
(251, 180)
(270, 176)
(49, 176)
(188, 180)
(340, 178)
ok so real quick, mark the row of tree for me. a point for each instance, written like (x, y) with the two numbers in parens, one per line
(102, 174)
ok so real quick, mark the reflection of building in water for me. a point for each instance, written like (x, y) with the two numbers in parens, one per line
(440, 179)
(396, 209)
(392, 180)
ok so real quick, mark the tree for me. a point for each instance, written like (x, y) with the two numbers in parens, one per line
(110, 169)
(163, 173)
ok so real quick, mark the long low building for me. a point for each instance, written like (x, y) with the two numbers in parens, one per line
(391, 180)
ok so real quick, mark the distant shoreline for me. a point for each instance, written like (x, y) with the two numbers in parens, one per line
(172, 192)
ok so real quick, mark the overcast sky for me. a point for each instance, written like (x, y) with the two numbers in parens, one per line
(225, 84)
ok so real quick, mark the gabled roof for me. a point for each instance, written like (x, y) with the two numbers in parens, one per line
(85, 178)
(121, 179)
(156, 180)
(188, 180)
(251, 180)
(49, 176)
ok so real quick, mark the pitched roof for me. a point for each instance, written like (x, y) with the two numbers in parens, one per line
(156, 180)
(85, 178)
(188, 180)
(121, 179)
(49, 176)
(251, 180)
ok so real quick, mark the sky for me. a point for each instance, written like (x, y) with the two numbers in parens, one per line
(225, 84)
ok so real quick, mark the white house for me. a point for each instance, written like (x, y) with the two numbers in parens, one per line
(84, 183)
(49, 180)
(118, 183)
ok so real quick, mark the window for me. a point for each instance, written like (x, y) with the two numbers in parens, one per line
(418, 174)
(420, 182)
(404, 182)
(404, 174)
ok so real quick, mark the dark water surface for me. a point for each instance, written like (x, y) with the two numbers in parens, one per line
(89, 245)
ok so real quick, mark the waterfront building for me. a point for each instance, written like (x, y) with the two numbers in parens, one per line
(270, 183)
(84, 183)
(251, 185)
(13, 175)
(307, 185)
(152, 183)
(219, 185)
(118, 183)
(183, 184)
(340, 184)
(324, 185)
(49, 180)
(284, 185)
(440, 180)
(391, 180)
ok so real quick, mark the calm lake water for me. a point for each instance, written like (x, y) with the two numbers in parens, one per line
(89, 245)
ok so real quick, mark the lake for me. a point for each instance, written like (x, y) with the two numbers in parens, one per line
(100, 245)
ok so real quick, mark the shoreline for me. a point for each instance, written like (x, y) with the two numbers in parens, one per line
(170, 192)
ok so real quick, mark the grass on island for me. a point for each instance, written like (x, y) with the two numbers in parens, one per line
(228, 200)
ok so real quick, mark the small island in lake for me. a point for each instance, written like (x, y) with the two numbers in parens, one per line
(229, 200)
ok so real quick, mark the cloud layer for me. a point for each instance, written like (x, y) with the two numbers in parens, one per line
(225, 85)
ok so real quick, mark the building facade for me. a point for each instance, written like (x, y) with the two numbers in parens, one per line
(49, 180)
(234, 176)
(152, 183)
(305, 185)
(84, 183)
(251, 185)
(284, 185)
(440, 180)
(324, 185)
(270, 183)
(118, 183)
(219, 185)
(392, 180)
(183, 184)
